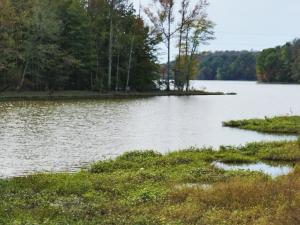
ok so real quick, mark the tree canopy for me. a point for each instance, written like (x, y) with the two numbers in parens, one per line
(63, 45)
(228, 65)
(280, 64)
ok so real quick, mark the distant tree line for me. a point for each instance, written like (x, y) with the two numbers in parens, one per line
(280, 64)
(227, 65)
(74, 45)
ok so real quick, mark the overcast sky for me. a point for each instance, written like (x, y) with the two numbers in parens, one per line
(251, 24)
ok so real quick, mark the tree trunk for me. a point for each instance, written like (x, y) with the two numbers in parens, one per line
(191, 58)
(189, 72)
(97, 78)
(186, 58)
(169, 48)
(177, 74)
(110, 46)
(129, 65)
(117, 75)
(23, 77)
(91, 81)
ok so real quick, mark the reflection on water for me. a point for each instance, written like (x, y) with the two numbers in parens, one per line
(273, 171)
(64, 135)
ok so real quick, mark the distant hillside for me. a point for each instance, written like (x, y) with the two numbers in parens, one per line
(227, 65)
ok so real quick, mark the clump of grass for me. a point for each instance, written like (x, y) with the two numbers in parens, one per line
(281, 125)
(233, 155)
(127, 161)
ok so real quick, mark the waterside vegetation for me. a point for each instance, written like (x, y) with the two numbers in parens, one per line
(146, 187)
(227, 65)
(95, 45)
(280, 64)
(280, 124)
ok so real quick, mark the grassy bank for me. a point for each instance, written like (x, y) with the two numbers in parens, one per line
(65, 95)
(181, 187)
(281, 125)
(149, 188)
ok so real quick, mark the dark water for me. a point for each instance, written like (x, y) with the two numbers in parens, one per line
(65, 135)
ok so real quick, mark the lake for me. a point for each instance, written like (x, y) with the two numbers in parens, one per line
(66, 135)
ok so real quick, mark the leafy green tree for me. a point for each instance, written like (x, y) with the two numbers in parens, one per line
(8, 48)
(40, 44)
(228, 65)
(76, 41)
(63, 45)
(280, 64)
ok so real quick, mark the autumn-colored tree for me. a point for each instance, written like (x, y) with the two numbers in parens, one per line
(201, 33)
(162, 17)
(194, 29)
(188, 15)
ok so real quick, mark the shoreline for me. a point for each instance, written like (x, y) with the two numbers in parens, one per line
(188, 186)
(153, 184)
(86, 95)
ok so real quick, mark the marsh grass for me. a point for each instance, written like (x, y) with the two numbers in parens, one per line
(142, 188)
(280, 125)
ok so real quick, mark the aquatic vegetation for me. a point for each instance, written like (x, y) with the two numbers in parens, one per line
(282, 124)
(142, 188)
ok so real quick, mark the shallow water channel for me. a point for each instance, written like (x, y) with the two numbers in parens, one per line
(271, 170)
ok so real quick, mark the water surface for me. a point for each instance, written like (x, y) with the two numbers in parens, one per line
(65, 135)
(271, 170)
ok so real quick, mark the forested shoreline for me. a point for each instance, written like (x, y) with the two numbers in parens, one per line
(280, 64)
(227, 65)
(102, 45)
(94, 45)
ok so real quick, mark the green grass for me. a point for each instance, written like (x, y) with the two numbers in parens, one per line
(151, 188)
(143, 188)
(280, 125)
